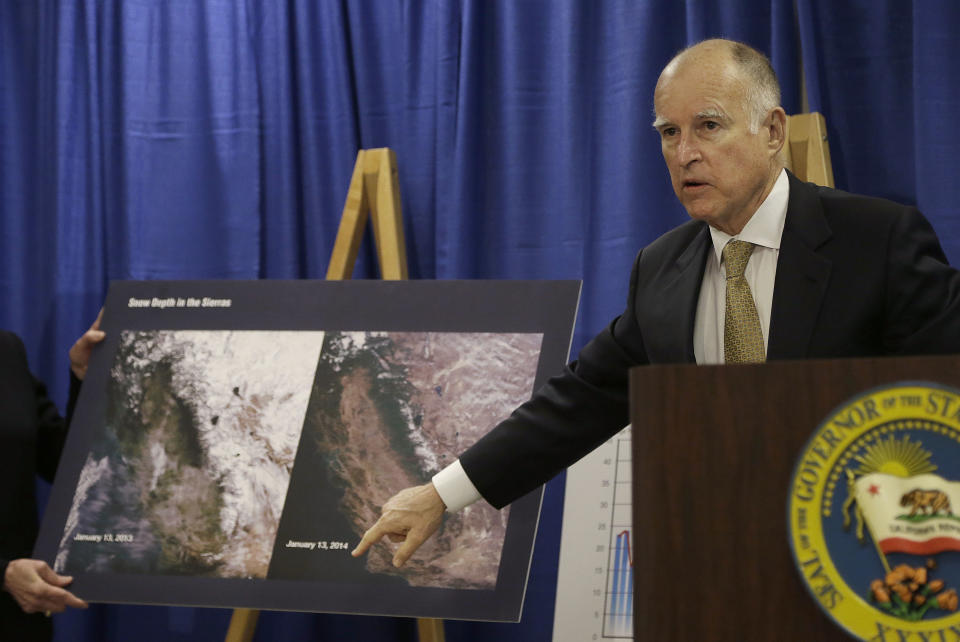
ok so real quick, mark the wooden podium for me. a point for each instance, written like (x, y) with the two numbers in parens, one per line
(714, 449)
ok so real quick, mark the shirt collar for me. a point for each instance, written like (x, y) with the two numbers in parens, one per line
(765, 227)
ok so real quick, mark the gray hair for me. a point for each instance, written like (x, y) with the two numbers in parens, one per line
(761, 88)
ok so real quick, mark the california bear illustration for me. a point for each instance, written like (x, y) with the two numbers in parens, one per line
(933, 501)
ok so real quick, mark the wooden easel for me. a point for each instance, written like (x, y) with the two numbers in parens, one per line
(807, 152)
(374, 188)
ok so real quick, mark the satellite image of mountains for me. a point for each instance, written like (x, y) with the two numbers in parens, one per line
(216, 440)
(388, 411)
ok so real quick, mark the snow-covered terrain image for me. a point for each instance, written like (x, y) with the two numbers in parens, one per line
(388, 410)
(189, 473)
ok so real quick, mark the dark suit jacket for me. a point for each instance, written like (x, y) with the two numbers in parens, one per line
(31, 440)
(856, 277)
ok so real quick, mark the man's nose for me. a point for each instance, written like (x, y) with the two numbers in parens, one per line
(688, 150)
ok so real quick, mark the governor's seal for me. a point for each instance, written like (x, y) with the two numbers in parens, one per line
(874, 514)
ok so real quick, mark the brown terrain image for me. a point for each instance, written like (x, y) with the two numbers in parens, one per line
(395, 408)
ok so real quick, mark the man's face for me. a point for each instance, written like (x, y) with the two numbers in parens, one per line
(720, 171)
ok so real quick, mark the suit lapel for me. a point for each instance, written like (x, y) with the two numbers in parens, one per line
(680, 292)
(802, 274)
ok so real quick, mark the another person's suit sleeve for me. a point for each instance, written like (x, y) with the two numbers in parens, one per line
(51, 427)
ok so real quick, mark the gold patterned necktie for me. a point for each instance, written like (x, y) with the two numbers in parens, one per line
(742, 336)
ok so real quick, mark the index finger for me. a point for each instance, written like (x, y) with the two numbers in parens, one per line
(73, 601)
(414, 539)
(57, 600)
(373, 535)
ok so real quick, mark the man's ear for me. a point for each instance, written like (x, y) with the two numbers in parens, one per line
(777, 129)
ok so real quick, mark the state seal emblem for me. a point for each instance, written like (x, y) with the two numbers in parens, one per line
(874, 514)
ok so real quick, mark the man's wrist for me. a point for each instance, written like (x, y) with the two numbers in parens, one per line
(455, 488)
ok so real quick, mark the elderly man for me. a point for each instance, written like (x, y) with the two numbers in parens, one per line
(769, 268)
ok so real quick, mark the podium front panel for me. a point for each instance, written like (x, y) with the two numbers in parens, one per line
(714, 448)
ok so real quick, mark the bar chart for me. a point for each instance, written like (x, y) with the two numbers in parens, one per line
(595, 578)
(618, 602)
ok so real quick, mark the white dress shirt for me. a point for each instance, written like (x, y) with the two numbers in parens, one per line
(764, 229)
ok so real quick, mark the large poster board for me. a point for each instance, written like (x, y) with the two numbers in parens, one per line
(234, 439)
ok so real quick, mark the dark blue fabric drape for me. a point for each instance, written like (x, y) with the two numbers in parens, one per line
(882, 74)
(180, 139)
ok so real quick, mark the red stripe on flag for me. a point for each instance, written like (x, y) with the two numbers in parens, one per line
(929, 547)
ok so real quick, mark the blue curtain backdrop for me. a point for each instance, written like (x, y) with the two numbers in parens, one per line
(881, 73)
(178, 139)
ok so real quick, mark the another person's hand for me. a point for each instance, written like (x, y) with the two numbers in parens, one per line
(80, 352)
(410, 516)
(36, 588)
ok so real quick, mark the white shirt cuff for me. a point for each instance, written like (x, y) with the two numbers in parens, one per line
(455, 488)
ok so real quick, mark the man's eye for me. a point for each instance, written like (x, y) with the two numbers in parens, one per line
(668, 131)
(711, 124)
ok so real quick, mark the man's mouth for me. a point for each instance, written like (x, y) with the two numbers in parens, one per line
(693, 184)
